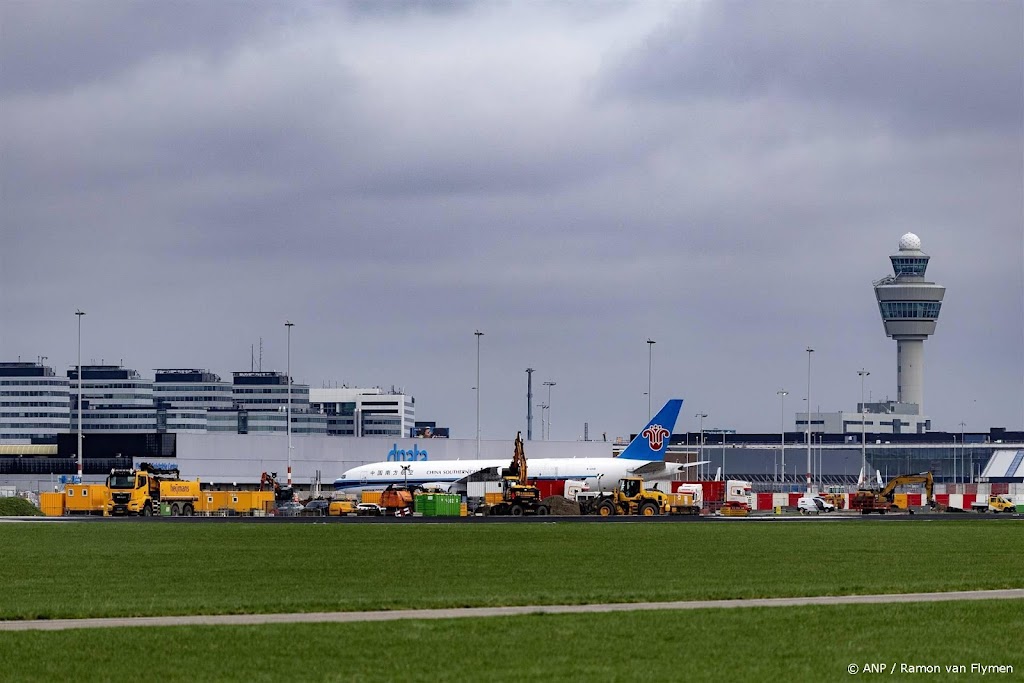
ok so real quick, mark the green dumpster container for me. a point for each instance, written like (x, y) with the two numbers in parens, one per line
(165, 509)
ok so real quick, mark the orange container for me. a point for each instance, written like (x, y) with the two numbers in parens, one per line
(371, 497)
(85, 498)
(52, 504)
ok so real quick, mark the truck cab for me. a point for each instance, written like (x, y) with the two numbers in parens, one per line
(129, 493)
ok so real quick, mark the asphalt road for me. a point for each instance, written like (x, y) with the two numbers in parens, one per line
(459, 613)
(547, 519)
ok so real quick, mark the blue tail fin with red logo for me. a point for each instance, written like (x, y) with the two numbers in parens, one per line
(652, 442)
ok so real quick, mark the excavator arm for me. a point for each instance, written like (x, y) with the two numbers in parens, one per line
(519, 461)
(902, 480)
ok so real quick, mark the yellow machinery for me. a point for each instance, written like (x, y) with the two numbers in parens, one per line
(517, 496)
(139, 492)
(268, 481)
(631, 498)
(836, 499)
(684, 503)
(884, 500)
(734, 508)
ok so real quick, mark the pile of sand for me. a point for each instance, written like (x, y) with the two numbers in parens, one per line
(560, 505)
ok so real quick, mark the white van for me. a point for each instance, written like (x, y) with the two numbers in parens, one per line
(810, 505)
(824, 505)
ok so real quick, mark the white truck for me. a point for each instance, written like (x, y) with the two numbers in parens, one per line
(687, 500)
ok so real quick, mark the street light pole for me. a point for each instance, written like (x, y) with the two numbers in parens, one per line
(289, 325)
(79, 315)
(701, 446)
(963, 454)
(863, 433)
(650, 361)
(782, 393)
(529, 404)
(809, 352)
(549, 384)
(478, 334)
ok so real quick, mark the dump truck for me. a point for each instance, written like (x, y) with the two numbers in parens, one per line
(140, 491)
(994, 504)
(629, 498)
(397, 500)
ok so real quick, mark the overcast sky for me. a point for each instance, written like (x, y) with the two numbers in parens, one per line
(571, 179)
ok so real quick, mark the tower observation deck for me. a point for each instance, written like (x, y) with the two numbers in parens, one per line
(910, 307)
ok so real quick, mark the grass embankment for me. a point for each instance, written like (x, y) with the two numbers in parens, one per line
(18, 507)
(131, 569)
(773, 644)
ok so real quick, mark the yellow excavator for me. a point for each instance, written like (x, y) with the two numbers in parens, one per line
(517, 496)
(868, 501)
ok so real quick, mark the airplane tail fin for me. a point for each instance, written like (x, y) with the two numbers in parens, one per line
(652, 442)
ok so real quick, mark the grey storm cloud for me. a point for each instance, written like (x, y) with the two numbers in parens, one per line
(571, 178)
(946, 63)
(50, 45)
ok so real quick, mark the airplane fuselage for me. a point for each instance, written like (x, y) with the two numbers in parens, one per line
(597, 473)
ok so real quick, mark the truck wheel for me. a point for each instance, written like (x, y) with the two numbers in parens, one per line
(516, 510)
(606, 508)
(186, 510)
(648, 509)
(542, 510)
(147, 511)
(175, 510)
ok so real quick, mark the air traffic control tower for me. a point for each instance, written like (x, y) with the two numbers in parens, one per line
(909, 306)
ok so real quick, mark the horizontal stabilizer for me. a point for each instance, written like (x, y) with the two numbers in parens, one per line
(650, 468)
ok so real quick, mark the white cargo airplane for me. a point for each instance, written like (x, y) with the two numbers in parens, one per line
(645, 456)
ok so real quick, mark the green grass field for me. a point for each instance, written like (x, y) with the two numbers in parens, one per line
(130, 569)
(764, 644)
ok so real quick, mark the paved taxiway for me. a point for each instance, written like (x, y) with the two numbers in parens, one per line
(457, 613)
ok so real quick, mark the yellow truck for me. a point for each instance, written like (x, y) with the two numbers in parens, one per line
(140, 492)
(995, 504)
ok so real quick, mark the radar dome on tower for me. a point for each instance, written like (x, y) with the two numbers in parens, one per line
(910, 242)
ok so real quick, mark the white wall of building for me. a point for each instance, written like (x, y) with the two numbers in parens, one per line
(242, 458)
